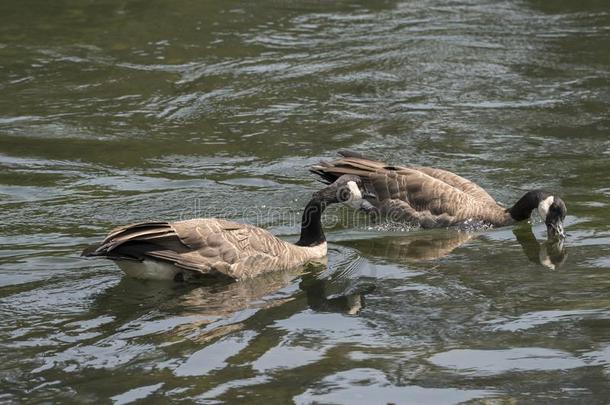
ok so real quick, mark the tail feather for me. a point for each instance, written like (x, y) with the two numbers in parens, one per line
(350, 163)
(325, 177)
(91, 250)
(351, 154)
(131, 228)
(360, 163)
(131, 236)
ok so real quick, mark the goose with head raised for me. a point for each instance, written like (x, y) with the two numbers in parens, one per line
(432, 198)
(217, 248)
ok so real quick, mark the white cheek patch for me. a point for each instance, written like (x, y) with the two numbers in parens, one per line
(353, 187)
(356, 196)
(543, 206)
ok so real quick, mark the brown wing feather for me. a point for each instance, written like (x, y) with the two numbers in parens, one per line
(428, 196)
(137, 227)
(207, 246)
(458, 182)
(347, 165)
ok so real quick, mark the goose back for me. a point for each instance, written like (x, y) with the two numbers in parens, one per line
(210, 246)
(427, 196)
(458, 182)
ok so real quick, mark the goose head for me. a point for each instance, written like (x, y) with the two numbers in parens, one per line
(346, 189)
(551, 208)
(553, 211)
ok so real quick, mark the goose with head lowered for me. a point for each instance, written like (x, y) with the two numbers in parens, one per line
(433, 198)
(216, 248)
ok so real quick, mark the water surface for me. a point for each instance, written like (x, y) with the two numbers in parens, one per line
(120, 111)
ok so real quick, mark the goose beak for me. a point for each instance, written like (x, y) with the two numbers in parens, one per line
(555, 229)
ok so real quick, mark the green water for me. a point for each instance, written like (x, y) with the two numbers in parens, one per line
(119, 111)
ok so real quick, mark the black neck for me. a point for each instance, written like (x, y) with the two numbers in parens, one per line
(311, 224)
(523, 208)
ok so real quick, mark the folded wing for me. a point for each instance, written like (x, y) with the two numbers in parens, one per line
(429, 196)
(207, 246)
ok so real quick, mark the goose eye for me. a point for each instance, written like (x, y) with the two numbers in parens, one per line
(343, 193)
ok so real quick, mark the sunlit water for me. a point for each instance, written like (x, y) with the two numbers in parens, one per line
(115, 112)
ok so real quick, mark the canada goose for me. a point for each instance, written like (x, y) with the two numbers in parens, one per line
(216, 247)
(433, 198)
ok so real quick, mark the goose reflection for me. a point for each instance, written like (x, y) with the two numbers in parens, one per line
(265, 292)
(205, 312)
(551, 253)
(436, 244)
(130, 298)
(351, 301)
(416, 246)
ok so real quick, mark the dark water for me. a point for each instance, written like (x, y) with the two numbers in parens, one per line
(119, 111)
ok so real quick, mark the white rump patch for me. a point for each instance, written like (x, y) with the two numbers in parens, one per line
(543, 206)
(149, 269)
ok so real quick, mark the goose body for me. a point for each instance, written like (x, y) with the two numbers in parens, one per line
(197, 247)
(211, 247)
(431, 197)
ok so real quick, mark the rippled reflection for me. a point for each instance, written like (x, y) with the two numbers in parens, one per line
(418, 245)
(550, 253)
(432, 245)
